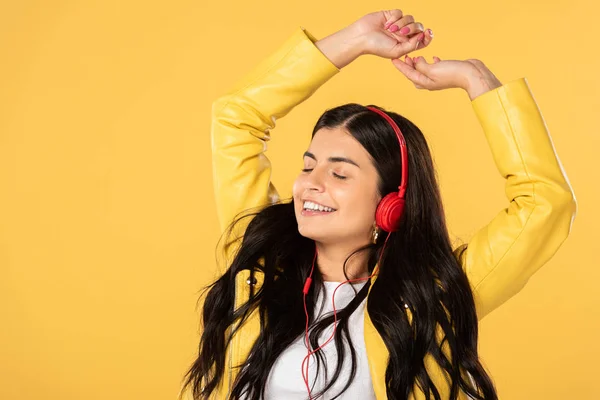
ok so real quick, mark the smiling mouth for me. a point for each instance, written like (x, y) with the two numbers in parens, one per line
(315, 208)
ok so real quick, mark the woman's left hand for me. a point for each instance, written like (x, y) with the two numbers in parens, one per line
(391, 33)
(471, 75)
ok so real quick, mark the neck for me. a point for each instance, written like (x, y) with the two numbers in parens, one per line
(331, 260)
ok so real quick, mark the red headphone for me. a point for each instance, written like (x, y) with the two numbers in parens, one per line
(387, 217)
(390, 208)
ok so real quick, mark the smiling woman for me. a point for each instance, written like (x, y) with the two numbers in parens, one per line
(409, 329)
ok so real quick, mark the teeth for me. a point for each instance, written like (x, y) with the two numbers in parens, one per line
(309, 205)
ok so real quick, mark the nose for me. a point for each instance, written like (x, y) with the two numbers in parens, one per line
(315, 180)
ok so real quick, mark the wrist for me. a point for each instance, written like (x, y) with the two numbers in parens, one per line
(480, 83)
(342, 47)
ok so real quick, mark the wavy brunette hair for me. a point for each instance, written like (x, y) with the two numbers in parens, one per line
(419, 268)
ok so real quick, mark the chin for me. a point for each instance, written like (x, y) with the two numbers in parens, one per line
(318, 234)
(313, 233)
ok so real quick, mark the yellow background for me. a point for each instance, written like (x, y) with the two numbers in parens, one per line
(107, 221)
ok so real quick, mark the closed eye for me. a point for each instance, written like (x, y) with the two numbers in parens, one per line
(337, 176)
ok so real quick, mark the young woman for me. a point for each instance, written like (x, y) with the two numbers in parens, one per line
(352, 289)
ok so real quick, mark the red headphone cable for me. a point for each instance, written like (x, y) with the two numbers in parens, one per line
(305, 291)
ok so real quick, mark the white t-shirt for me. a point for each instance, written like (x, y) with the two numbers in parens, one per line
(285, 379)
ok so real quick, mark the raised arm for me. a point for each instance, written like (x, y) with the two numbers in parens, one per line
(243, 118)
(503, 255)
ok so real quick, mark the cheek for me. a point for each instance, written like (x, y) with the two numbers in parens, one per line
(297, 188)
(297, 192)
(359, 203)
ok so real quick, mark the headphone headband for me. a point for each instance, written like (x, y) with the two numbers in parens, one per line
(403, 151)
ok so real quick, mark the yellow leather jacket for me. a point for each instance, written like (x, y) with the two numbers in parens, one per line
(500, 257)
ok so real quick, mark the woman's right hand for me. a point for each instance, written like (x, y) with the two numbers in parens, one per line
(391, 34)
(472, 75)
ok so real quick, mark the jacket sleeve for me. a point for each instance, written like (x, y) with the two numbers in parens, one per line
(243, 118)
(502, 256)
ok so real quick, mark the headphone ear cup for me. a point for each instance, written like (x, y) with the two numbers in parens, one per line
(389, 212)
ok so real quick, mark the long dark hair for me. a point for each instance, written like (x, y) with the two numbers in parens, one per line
(419, 268)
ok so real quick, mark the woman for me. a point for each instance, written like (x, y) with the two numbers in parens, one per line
(405, 315)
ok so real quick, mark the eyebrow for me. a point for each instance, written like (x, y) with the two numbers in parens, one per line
(332, 159)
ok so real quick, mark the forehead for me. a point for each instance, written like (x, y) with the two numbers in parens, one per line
(337, 141)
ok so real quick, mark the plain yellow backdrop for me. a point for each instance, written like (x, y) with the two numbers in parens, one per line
(107, 220)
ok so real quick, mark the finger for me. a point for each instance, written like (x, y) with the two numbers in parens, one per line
(436, 59)
(403, 66)
(417, 41)
(422, 65)
(416, 78)
(411, 73)
(412, 64)
(402, 26)
(406, 46)
(409, 28)
(392, 16)
(427, 38)
(419, 60)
